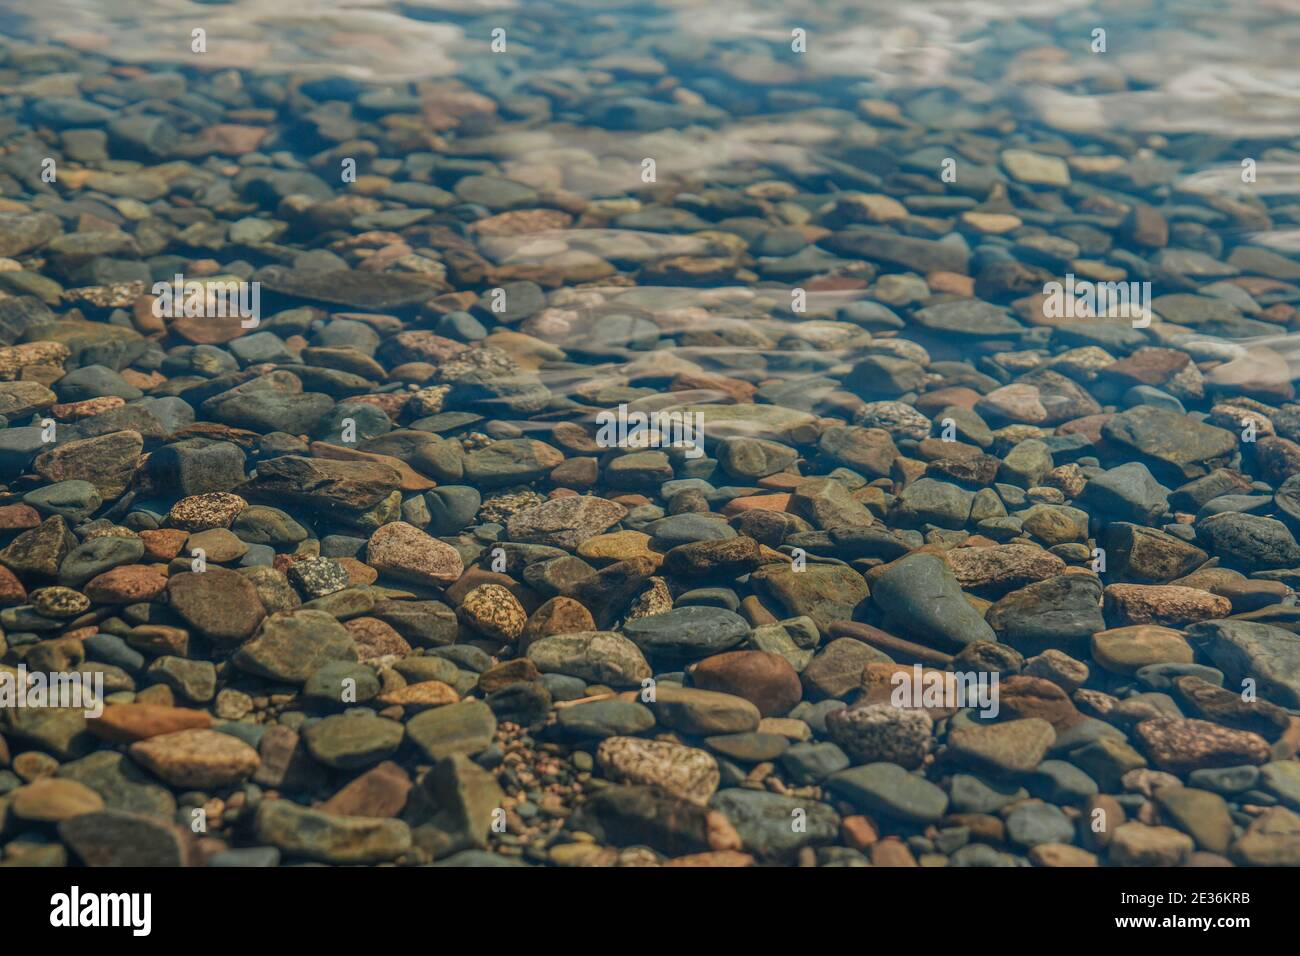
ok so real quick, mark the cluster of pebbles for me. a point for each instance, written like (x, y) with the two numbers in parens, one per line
(363, 587)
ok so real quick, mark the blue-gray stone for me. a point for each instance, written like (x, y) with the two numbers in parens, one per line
(1162, 676)
(922, 597)
(890, 790)
(766, 822)
(810, 763)
(73, 499)
(1224, 780)
(972, 794)
(605, 718)
(1033, 823)
(1057, 781)
(686, 529)
(111, 649)
(452, 508)
(246, 856)
(688, 632)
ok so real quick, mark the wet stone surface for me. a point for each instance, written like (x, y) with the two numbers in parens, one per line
(649, 445)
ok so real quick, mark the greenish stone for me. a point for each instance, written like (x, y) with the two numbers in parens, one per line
(352, 741)
(1200, 814)
(328, 838)
(823, 592)
(605, 718)
(464, 728)
(195, 681)
(775, 827)
(289, 647)
(1032, 823)
(1106, 760)
(121, 783)
(456, 804)
(888, 789)
(694, 711)
(597, 656)
(748, 747)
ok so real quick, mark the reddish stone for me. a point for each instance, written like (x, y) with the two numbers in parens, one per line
(12, 592)
(738, 391)
(631, 501)
(411, 480)
(127, 584)
(781, 481)
(777, 502)
(520, 222)
(358, 571)
(951, 283)
(559, 615)
(163, 544)
(1150, 366)
(858, 832)
(931, 403)
(1022, 696)
(160, 640)
(1180, 745)
(1089, 426)
(18, 517)
(75, 411)
(380, 792)
(1276, 459)
(766, 680)
(229, 139)
(829, 283)
(375, 638)
(209, 330)
(892, 852)
(127, 723)
(509, 672)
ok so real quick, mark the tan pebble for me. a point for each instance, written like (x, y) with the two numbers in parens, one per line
(51, 799)
(197, 758)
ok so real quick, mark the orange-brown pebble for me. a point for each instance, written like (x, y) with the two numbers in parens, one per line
(75, 411)
(631, 501)
(781, 481)
(12, 592)
(891, 852)
(127, 723)
(779, 502)
(421, 696)
(358, 571)
(376, 638)
(18, 517)
(127, 584)
(145, 381)
(951, 283)
(728, 858)
(858, 832)
(163, 544)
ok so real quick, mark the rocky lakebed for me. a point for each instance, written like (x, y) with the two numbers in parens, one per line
(384, 570)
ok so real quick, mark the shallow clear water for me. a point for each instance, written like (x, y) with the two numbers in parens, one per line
(726, 207)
